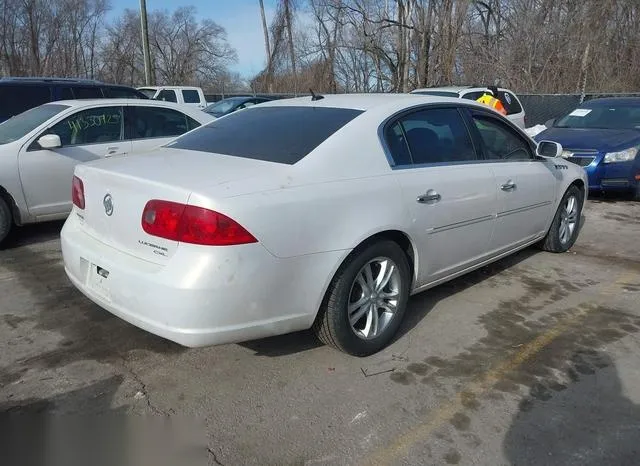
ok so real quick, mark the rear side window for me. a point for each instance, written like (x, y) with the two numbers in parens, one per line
(17, 99)
(167, 95)
(437, 135)
(66, 93)
(191, 97)
(121, 93)
(274, 134)
(510, 102)
(87, 92)
(475, 95)
(158, 122)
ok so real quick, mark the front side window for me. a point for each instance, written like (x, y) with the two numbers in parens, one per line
(283, 134)
(157, 122)
(501, 142)
(167, 95)
(437, 135)
(21, 125)
(191, 96)
(93, 126)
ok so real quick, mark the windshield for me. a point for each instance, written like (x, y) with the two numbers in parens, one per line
(20, 125)
(148, 92)
(611, 116)
(223, 107)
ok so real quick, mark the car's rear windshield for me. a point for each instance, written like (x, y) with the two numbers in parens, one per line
(274, 134)
(20, 125)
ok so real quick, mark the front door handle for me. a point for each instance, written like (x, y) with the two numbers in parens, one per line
(429, 196)
(508, 186)
(112, 151)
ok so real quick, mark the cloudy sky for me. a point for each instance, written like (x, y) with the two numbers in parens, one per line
(240, 18)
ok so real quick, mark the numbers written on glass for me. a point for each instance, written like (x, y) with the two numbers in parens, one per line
(84, 122)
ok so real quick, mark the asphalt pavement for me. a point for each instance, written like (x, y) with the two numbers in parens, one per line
(532, 360)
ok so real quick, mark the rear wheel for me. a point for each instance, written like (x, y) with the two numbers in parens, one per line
(6, 220)
(366, 300)
(566, 223)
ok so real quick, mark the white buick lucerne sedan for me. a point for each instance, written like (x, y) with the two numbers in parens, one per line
(324, 212)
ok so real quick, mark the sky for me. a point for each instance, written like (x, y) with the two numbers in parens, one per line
(240, 18)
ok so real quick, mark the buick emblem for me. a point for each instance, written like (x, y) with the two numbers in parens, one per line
(107, 202)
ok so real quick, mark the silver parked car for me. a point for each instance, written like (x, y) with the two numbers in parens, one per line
(40, 148)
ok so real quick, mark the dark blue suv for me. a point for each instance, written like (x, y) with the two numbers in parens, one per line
(20, 94)
(603, 136)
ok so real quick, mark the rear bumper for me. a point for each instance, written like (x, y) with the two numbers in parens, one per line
(202, 296)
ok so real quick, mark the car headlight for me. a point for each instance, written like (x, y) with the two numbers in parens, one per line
(622, 156)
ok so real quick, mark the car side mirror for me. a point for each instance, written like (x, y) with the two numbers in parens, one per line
(550, 123)
(50, 141)
(549, 149)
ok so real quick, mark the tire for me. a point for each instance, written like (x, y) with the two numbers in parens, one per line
(6, 220)
(367, 335)
(558, 239)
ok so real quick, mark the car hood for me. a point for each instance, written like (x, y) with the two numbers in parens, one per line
(602, 140)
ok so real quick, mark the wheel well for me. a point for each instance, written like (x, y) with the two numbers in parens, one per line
(398, 237)
(580, 184)
(4, 194)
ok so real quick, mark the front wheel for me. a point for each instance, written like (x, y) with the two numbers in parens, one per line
(366, 300)
(566, 223)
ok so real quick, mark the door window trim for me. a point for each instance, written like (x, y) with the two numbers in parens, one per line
(393, 119)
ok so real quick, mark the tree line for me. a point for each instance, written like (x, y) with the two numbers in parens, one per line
(78, 38)
(537, 46)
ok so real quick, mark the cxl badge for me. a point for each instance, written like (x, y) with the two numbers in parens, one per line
(107, 202)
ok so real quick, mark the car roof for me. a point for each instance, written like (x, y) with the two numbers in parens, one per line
(361, 101)
(612, 101)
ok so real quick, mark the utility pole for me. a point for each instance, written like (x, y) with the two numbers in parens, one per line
(145, 43)
(267, 46)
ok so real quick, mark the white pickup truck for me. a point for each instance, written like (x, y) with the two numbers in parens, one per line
(182, 95)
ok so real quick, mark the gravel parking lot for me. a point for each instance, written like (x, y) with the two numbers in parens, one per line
(532, 360)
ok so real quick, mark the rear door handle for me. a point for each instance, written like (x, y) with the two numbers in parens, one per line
(112, 151)
(508, 186)
(429, 196)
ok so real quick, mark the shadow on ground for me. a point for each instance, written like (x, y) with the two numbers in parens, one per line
(418, 308)
(32, 234)
(589, 423)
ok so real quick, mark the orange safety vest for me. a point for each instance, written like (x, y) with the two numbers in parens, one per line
(492, 102)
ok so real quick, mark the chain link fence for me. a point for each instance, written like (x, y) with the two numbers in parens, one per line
(538, 107)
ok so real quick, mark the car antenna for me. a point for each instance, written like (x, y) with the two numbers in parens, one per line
(315, 96)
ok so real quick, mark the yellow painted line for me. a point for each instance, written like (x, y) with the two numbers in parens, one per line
(399, 447)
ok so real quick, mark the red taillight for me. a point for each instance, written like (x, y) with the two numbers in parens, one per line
(191, 224)
(77, 192)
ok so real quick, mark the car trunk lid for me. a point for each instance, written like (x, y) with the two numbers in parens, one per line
(117, 190)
